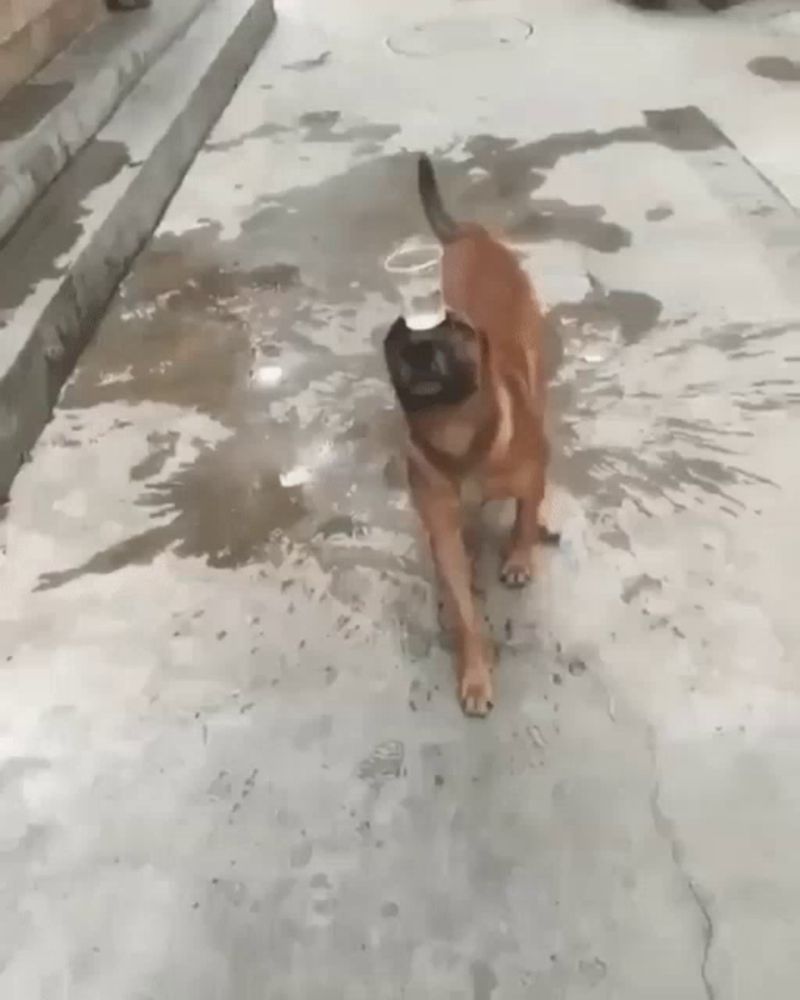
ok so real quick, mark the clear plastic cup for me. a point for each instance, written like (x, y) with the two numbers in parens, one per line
(417, 271)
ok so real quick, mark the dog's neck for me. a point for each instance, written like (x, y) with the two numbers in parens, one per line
(471, 428)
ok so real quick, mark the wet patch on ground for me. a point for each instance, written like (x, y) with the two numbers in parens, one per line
(510, 172)
(378, 200)
(685, 129)
(304, 65)
(323, 126)
(658, 213)
(283, 353)
(777, 68)
(342, 524)
(555, 219)
(609, 476)
(266, 131)
(61, 209)
(223, 507)
(25, 106)
(195, 328)
(625, 437)
(161, 448)
(179, 333)
(632, 313)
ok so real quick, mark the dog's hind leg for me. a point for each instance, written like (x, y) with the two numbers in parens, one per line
(517, 567)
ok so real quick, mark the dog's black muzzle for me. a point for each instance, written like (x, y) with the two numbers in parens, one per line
(433, 367)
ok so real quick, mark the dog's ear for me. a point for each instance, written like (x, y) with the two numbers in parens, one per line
(393, 344)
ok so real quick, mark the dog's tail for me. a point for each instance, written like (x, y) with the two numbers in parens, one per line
(441, 222)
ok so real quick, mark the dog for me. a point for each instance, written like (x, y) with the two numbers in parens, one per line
(473, 390)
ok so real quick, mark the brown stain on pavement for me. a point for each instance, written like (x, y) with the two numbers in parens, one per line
(777, 68)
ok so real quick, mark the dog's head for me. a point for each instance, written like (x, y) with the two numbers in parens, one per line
(436, 367)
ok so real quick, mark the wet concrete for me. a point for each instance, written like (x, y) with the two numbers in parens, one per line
(60, 216)
(27, 105)
(304, 65)
(632, 314)
(658, 213)
(231, 729)
(777, 68)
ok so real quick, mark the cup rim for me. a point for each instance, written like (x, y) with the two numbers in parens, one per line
(428, 257)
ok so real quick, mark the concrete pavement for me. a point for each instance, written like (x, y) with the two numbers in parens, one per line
(234, 765)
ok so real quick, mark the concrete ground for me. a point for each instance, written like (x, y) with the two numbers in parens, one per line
(233, 763)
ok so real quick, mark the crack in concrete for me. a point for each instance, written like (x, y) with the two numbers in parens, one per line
(666, 830)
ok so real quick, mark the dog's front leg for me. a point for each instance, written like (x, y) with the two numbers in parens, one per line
(440, 511)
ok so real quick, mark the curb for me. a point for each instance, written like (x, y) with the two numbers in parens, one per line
(66, 258)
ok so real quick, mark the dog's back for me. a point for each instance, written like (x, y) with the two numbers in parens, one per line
(483, 281)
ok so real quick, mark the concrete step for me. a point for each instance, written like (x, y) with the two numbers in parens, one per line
(33, 31)
(63, 261)
(47, 119)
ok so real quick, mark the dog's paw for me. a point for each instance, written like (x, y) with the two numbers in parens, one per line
(476, 692)
(516, 571)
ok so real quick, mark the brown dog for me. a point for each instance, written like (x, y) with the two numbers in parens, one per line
(473, 392)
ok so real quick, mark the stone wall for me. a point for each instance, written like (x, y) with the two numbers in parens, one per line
(33, 31)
